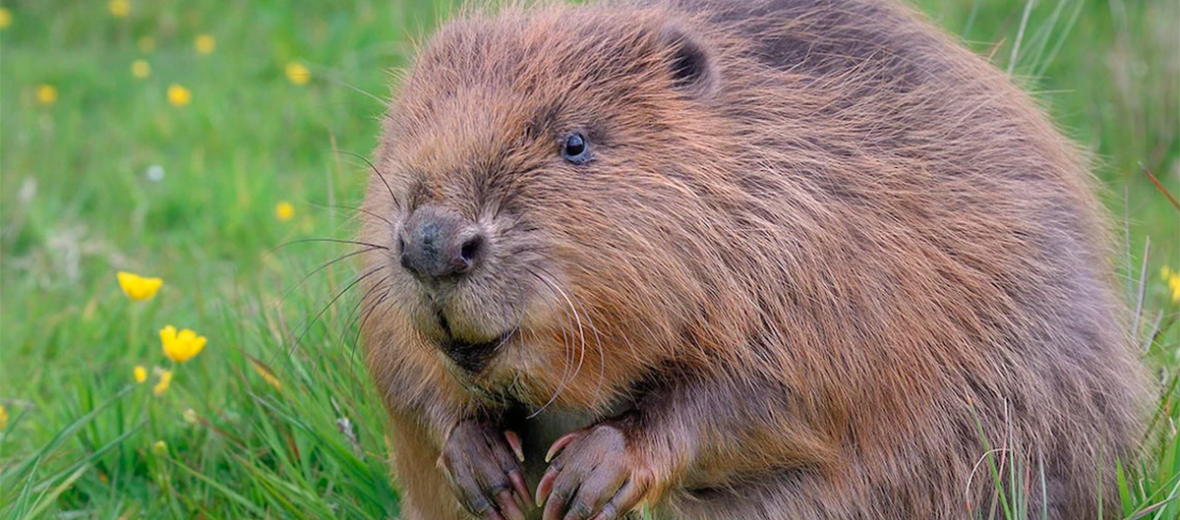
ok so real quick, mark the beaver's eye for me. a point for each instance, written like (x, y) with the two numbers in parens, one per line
(574, 148)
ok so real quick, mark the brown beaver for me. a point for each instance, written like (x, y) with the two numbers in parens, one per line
(737, 260)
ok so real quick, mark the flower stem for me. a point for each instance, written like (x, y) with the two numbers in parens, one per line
(133, 331)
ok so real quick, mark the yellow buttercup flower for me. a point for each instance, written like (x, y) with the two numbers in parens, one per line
(159, 448)
(297, 73)
(138, 287)
(146, 44)
(5, 17)
(46, 94)
(181, 346)
(1174, 287)
(205, 44)
(284, 211)
(140, 374)
(164, 382)
(179, 96)
(119, 8)
(141, 69)
(3, 418)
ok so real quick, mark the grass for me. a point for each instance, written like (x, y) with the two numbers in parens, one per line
(281, 428)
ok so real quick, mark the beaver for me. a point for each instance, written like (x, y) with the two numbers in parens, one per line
(805, 259)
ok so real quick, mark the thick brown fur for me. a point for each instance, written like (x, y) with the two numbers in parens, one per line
(814, 275)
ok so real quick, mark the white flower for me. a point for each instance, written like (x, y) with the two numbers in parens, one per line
(155, 173)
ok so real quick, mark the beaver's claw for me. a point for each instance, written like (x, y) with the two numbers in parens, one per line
(478, 461)
(594, 477)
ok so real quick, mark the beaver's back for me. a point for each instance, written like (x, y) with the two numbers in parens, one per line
(953, 261)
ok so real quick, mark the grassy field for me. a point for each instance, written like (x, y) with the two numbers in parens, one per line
(106, 166)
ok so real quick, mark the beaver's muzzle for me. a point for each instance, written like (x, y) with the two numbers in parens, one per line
(437, 244)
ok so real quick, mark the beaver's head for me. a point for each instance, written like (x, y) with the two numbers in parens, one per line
(539, 187)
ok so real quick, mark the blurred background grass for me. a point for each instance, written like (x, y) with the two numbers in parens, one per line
(100, 171)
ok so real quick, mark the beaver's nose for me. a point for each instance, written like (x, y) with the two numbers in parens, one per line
(439, 243)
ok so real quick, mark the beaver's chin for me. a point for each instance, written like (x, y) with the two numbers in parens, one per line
(474, 324)
(473, 356)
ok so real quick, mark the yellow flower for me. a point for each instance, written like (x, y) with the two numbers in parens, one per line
(141, 69)
(3, 418)
(285, 211)
(297, 73)
(146, 44)
(138, 287)
(1174, 286)
(164, 383)
(140, 374)
(5, 17)
(46, 94)
(267, 375)
(119, 8)
(182, 346)
(1166, 273)
(205, 44)
(159, 448)
(178, 95)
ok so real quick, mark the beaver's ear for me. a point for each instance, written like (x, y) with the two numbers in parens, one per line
(690, 62)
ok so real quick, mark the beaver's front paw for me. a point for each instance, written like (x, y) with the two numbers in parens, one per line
(596, 476)
(478, 460)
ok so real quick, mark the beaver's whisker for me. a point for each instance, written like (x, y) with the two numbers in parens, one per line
(582, 343)
(589, 320)
(370, 310)
(360, 312)
(354, 314)
(327, 240)
(396, 201)
(325, 266)
(597, 340)
(360, 210)
(565, 339)
(518, 330)
(350, 318)
(307, 327)
(564, 322)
